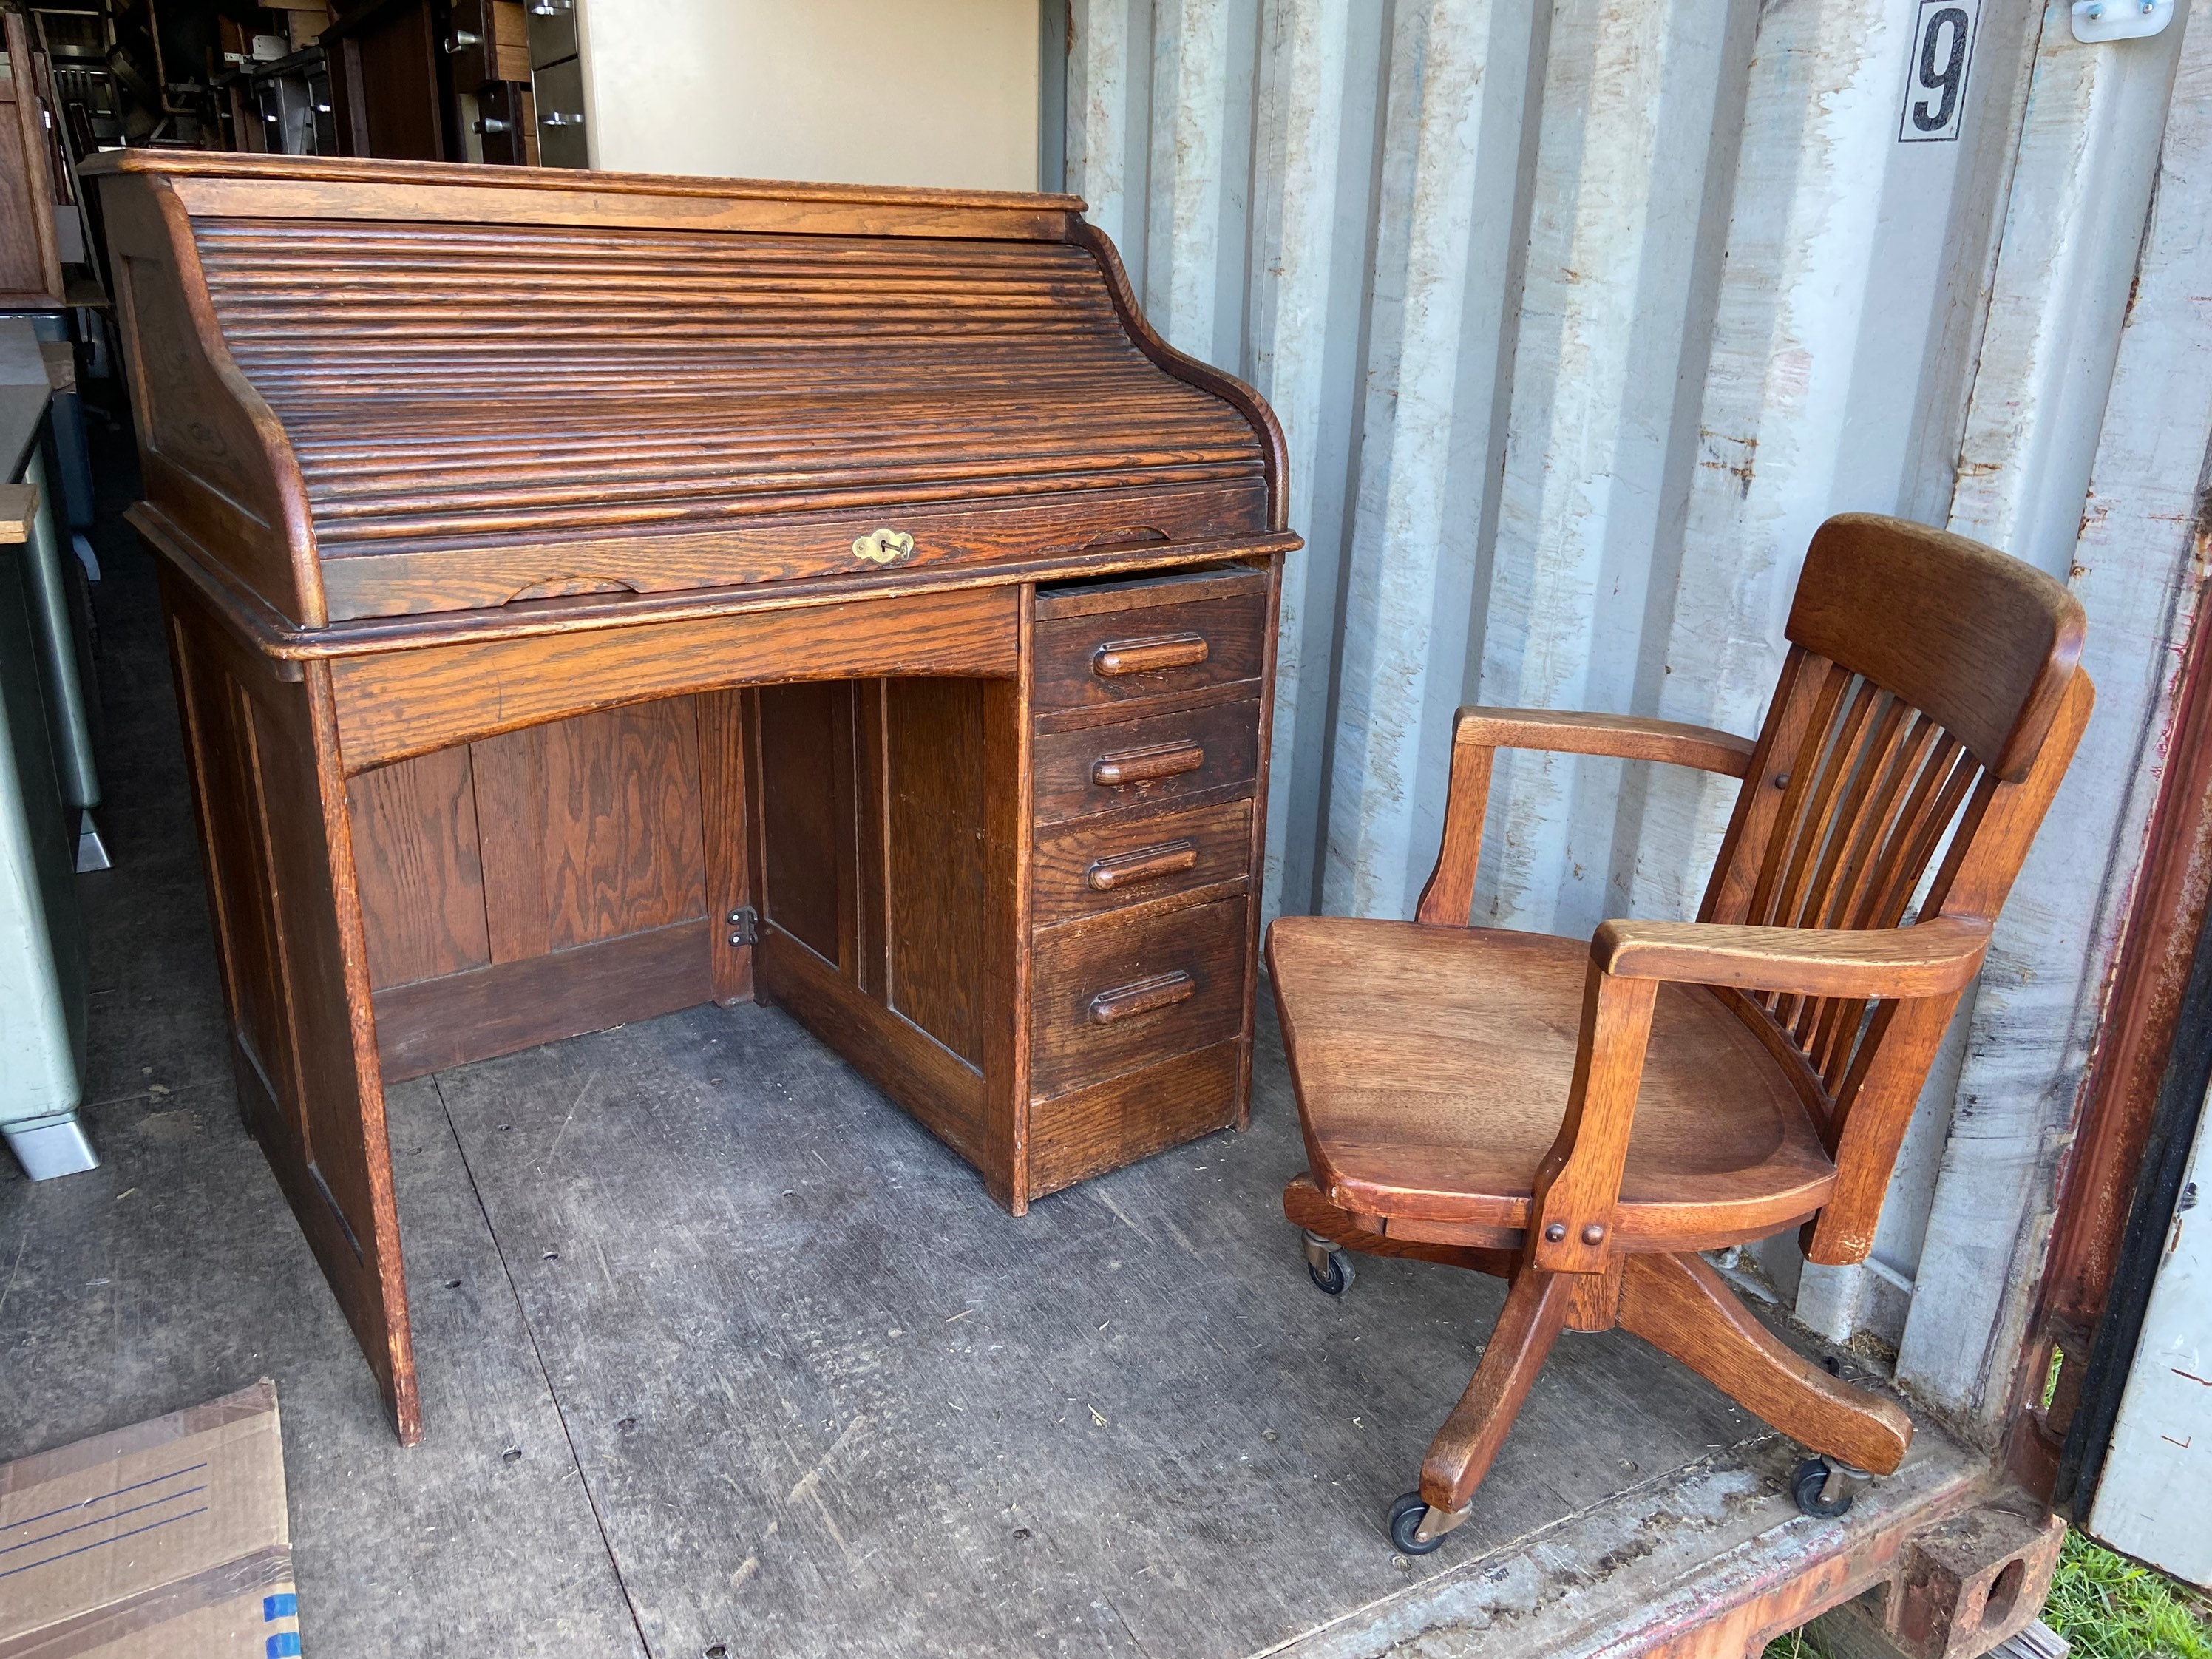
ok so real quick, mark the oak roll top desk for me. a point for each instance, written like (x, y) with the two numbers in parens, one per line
(592, 595)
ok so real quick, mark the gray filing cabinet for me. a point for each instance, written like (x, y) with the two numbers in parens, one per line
(43, 978)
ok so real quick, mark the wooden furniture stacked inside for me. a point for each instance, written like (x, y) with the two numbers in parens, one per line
(592, 595)
(1583, 1117)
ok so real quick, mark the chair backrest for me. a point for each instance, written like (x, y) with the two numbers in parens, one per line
(1929, 706)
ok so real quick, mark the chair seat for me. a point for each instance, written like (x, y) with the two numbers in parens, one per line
(1433, 1068)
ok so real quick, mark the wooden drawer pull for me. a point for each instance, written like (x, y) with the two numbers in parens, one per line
(1160, 760)
(1143, 996)
(1170, 858)
(1148, 655)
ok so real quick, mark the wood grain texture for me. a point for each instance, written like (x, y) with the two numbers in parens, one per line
(498, 1009)
(829, 366)
(1939, 955)
(723, 810)
(1478, 733)
(1984, 643)
(780, 544)
(30, 259)
(406, 701)
(1570, 1206)
(1535, 1314)
(268, 186)
(1089, 1131)
(1679, 1305)
(1304, 1209)
(509, 774)
(1223, 738)
(1224, 385)
(805, 747)
(279, 637)
(621, 851)
(934, 774)
(215, 456)
(1124, 655)
(277, 839)
(1128, 595)
(1434, 1068)
(1086, 869)
(1625, 737)
(1077, 967)
(422, 879)
(1875, 1106)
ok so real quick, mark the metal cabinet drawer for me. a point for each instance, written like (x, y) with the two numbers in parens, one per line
(552, 25)
(559, 94)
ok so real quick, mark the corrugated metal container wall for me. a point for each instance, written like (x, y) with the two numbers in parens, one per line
(1579, 317)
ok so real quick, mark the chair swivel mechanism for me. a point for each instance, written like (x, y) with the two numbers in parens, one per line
(1583, 1118)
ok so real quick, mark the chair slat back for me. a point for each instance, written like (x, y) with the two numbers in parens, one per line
(1924, 676)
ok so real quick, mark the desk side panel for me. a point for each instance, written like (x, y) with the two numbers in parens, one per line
(216, 460)
(279, 864)
(885, 871)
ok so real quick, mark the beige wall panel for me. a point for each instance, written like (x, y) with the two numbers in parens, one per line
(875, 92)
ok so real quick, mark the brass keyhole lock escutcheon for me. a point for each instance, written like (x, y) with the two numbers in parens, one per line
(883, 546)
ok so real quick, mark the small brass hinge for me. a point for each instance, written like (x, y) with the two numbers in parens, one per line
(745, 926)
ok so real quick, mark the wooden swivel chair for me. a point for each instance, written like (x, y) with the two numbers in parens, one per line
(1583, 1117)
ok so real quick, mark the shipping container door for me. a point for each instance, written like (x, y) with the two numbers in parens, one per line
(2150, 1501)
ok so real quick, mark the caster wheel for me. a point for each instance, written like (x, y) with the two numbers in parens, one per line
(1333, 1274)
(1805, 1485)
(1406, 1516)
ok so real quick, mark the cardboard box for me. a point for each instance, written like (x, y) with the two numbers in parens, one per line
(165, 1540)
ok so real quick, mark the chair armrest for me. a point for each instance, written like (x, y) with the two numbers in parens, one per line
(1625, 737)
(1578, 1185)
(1929, 958)
(1478, 733)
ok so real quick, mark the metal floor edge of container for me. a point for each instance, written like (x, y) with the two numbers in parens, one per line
(681, 1399)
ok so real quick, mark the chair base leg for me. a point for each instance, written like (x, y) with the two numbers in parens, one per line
(1677, 1303)
(1535, 1314)
(1680, 1305)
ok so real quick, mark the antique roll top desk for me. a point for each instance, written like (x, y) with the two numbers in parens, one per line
(592, 595)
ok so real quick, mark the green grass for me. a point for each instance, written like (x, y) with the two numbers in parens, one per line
(2106, 1606)
(2110, 1608)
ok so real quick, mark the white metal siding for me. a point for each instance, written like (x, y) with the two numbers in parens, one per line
(1579, 317)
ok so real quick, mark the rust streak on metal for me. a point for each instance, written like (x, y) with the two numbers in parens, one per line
(2097, 1185)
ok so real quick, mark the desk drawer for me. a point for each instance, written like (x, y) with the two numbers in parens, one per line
(1089, 869)
(1115, 995)
(1157, 651)
(1155, 760)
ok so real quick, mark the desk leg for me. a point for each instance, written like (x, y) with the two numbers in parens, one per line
(278, 846)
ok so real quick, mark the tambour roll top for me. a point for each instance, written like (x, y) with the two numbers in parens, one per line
(398, 388)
